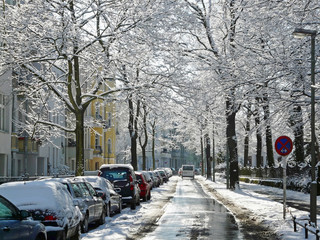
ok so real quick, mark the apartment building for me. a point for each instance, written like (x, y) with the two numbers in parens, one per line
(5, 124)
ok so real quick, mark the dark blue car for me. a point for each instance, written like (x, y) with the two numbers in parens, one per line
(16, 224)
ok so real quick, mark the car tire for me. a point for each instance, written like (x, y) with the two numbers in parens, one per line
(85, 224)
(133, 204)
(145, 198)
(77, 235)
(149, 196)
(63, 235)
(120, 207)
(108, 211)
(40, 237)
(102, 218)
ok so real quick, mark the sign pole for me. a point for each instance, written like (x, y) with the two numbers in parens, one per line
(283, 146)
(284, 166)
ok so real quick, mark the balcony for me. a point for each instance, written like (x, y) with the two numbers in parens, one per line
(24, 144)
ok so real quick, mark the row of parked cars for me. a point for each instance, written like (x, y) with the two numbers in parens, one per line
(134, 185)
(62, 208)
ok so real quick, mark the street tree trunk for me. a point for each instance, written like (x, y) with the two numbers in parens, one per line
(246, 139)
(79, 144)
(143, 144)
(202, 162)
(153, 125)
(133, 130)
(213, 157)
(269, 145)
(259, 137)
(208, 158)
(232, 139)
(296, 123)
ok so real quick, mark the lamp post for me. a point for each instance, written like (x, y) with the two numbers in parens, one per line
(301, 33)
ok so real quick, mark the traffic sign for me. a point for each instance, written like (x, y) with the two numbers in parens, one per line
(283, 145)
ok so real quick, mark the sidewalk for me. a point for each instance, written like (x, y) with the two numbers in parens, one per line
(263, 205)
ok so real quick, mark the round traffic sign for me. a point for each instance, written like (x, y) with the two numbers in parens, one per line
(283, 145)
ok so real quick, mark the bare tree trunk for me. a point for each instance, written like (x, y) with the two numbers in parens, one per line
(143, 145)
(232, 140)
(246, 139)
(153, 125)
(259, 138)
(202, 165)
(213, 157)
(79, 144)
(208, 158)
(269, 144)
(296, 123)
(133, 131)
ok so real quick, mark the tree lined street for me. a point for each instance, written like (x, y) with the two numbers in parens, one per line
(181, 209)
(160, 84)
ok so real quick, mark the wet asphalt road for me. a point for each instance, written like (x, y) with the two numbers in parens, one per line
(192, 214)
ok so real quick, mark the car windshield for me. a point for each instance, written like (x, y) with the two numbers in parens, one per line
(115, 174)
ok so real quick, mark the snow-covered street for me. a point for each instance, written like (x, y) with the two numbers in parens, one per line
(165, 216)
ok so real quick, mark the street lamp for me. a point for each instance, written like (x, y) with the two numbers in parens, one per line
(301, 33)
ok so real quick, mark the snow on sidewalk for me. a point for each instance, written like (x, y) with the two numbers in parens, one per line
(268, 212)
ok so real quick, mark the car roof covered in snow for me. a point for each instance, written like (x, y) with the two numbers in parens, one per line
(110, 166)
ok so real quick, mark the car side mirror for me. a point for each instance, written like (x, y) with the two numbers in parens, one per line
(24, 214)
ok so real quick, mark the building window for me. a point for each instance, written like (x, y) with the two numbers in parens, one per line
(2, 112)
(96, 166)
(98, 116)
(97, 142)
(109, 146)
(109, 119)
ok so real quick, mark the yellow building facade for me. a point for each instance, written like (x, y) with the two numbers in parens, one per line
(102, 135)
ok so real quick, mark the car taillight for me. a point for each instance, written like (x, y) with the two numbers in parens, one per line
(131, 182)
(99, 173)
(50, 218)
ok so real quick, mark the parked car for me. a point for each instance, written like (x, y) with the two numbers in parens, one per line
(197, 171)
(148, 179)
(144, 185)
(124, 179)
(158, 175)
(168, 172)
(155, 179)
(49, 203)
(112, 199)
(163, 175)
(16, 224)
(90, 203)
(187, 171)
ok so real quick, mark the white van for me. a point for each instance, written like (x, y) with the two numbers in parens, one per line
(187, 171)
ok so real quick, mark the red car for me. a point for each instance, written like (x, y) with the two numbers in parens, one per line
(144, 185)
